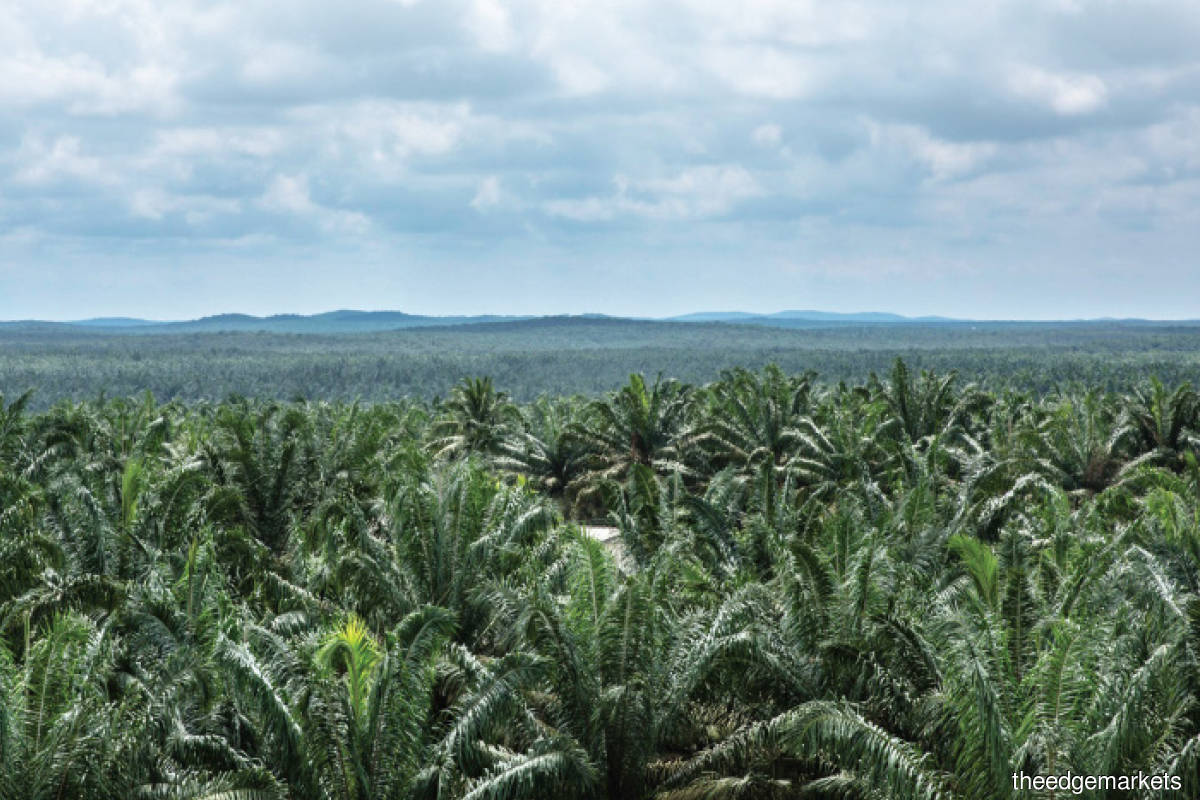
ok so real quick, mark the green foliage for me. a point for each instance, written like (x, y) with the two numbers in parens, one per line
(570, 356)
(765, 586)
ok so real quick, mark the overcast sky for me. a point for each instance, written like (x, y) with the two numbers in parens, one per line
(175, 159)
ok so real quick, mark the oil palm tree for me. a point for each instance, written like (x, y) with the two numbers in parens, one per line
(476, 418)
(842, 442)
(1078, 443)
(603, 679)
(257, 456)
(1039, 654)
(546, 450)
(927, 407)
(367, 711)
(751, 419)
(1164, 424)
(638, 424)
(450, 528)
(12, 430)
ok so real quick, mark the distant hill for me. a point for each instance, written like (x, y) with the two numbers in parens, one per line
(351, 321)
(348, 321)
(714, 316)
(114, 322)
(832, 316)
(792, 319)
(343, 321)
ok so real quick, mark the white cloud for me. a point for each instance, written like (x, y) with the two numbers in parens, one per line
(1067, 94)
(125, 67)
(387, 135)
(767, 72)
(489, 22)
(866, 122)
(63, 159)
(587, 209)
(944, 159)
(768, 135)
(799, 23)
(82, 86)
(190, 142)
(694, 193)
(488, 195)
(277, 62)
(155, 204)
(289, 194)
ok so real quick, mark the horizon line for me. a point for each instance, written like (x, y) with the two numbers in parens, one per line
(732, 316)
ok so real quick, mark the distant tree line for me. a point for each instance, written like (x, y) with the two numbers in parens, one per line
(566, 357)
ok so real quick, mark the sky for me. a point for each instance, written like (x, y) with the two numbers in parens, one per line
(1035, 160)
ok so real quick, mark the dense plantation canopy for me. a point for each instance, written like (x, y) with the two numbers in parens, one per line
(907, 587)
(572, 355)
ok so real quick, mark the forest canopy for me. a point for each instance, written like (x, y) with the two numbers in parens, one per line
(575, 355)
(765, 585)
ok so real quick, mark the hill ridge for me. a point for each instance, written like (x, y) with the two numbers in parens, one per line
(359, 321)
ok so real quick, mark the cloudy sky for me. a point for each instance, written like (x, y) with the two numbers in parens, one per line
(169, 160)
